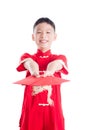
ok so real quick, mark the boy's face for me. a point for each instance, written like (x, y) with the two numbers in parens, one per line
(44, 35)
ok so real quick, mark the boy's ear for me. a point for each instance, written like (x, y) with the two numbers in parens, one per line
(55, 37)
(33, 37)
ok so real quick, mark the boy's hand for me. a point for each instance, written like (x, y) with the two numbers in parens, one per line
(47, 73)
(53, 67)
(32, 66)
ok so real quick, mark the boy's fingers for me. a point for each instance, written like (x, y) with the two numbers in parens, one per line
(47, 73)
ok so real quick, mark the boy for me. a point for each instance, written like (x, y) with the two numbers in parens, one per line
(42, 108)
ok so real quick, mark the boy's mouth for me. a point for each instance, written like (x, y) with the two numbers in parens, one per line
(43, 41)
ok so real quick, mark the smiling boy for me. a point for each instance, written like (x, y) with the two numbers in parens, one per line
(42, 108)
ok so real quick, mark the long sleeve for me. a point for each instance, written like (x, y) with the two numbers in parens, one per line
(63, 60)
(23, 58)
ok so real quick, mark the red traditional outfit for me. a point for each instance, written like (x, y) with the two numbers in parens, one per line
(41, 111)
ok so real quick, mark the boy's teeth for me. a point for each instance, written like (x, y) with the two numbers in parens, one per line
(43, 41)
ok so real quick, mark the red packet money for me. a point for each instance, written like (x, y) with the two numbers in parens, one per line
(37, 81)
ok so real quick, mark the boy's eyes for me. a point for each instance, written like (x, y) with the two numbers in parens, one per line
(38, 31)
(46, 32)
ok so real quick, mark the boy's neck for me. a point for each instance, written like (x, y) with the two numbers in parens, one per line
(44, 50)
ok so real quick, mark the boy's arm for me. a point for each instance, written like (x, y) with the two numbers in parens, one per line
(23, 58)
(55, 66)
(27, 63)
(32, 66)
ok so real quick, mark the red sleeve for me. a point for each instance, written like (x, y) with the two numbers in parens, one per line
(20, 67)
(63, 60)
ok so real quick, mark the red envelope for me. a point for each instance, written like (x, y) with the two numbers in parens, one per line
(49, 80)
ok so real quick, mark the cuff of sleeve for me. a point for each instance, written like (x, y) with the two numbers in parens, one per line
(21, 65)
(65, 68)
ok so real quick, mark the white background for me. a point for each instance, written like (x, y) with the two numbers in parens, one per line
(16, 21)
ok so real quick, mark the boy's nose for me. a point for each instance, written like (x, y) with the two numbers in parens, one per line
(43, 34)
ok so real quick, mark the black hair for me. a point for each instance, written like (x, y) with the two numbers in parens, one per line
(44, 20)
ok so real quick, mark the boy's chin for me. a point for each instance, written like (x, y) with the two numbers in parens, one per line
(44, 46)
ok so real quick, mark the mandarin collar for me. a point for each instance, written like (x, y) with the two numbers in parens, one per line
(43, 54)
